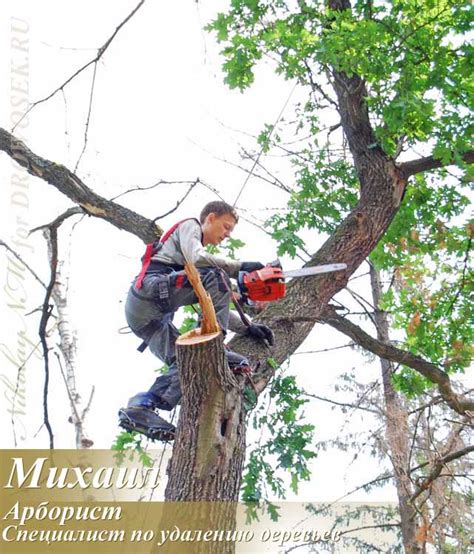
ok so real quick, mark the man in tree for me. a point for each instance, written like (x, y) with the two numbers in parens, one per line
(161, 288)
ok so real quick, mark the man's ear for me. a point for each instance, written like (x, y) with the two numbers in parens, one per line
(211, 217)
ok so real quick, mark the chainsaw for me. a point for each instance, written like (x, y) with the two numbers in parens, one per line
(268, 284)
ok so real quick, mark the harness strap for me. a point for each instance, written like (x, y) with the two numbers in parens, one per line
(149, 328)
(143, 346)
(145, 264)
(152, 248)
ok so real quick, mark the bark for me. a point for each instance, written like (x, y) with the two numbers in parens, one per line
(397, 429)
(429, 162)
(209, 449)
(68, 348)
(71, 186)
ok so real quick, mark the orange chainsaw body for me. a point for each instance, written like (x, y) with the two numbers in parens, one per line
(265, 285)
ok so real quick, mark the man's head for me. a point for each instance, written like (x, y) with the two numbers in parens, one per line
(218, 220)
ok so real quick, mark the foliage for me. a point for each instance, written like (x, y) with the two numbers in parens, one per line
(285, 442)
(326, 190)
(430, 294)
(128, 444)
(228, 248)
(410, 53)
(415, 61)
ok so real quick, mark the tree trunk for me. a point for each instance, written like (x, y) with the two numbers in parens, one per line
(68, 348)
(209, 449)
(397, 429)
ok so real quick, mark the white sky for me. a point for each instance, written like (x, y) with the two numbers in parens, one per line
(158, 105)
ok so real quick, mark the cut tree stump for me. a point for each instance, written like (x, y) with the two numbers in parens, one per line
(209, 448)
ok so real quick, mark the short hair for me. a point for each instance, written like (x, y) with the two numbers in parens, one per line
(218, 207)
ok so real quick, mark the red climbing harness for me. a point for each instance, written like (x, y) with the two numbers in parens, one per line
(152, 248)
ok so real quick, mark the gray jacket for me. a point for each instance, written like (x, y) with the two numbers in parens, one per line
(185, 245)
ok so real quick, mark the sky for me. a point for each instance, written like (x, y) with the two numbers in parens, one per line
(160, 111)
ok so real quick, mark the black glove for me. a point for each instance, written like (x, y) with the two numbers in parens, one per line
(251, 266)
(261, 332)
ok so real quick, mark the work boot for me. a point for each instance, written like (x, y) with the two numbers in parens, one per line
(238, 363)
(141, 415)
(147, 422)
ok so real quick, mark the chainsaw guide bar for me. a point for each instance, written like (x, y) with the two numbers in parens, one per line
(268, 284)
(316, 270)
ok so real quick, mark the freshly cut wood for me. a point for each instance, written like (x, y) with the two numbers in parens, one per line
(209, 321)
(194, 336)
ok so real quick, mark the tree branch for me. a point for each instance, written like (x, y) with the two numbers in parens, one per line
(50, 233)
(365, 486)
(180, 201)
(89, 111)
(56, 222)
(380, 526)
(342, 404)
(352, 106)
(53, 235)
(438, 467)
(71, 186)
(429, 162)
(391, 353)
(20, 259)
(100, 53)
(348, 345)
(157, 184)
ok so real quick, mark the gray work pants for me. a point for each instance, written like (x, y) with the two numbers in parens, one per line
(149, 312)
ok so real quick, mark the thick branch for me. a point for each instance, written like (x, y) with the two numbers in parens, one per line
(352, 105)
(209, 323)
(293, 317)
(70, 185)
(389, 352)
(429, 162)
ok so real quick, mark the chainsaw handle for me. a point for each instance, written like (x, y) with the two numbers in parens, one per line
(275, 263)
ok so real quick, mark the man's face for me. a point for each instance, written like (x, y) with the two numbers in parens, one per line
(216, 228)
